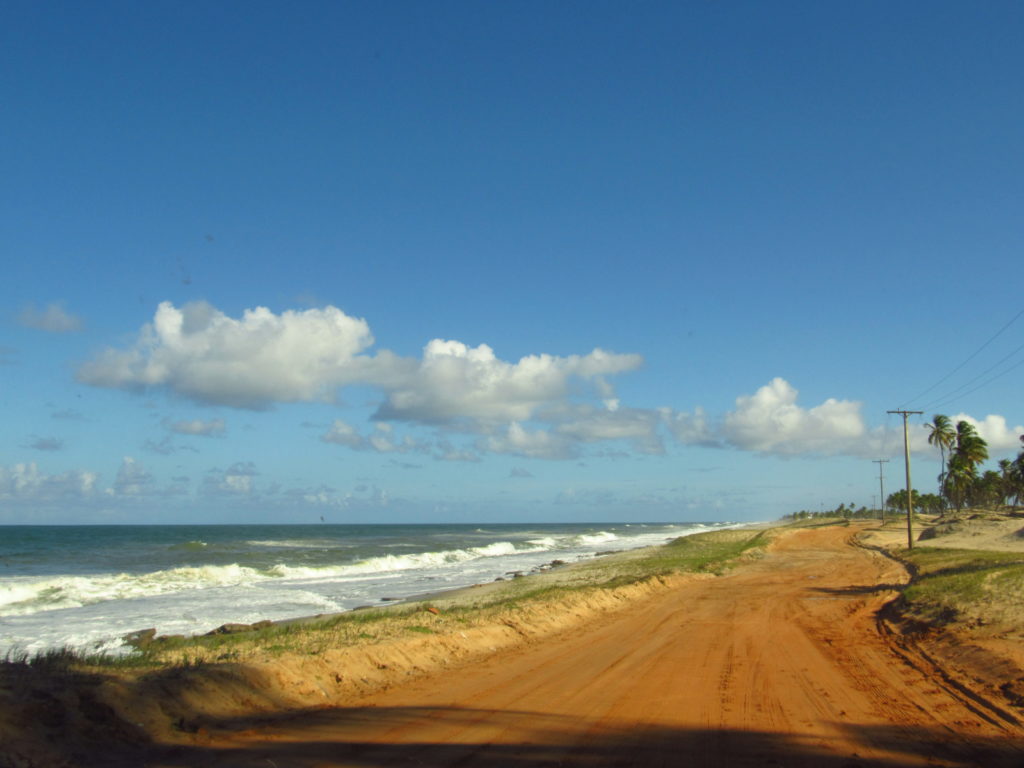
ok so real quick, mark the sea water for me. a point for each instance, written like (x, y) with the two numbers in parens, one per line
(85, 587)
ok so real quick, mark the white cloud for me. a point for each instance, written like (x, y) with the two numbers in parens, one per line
(541, 406)
(455, 382)
(343, 433)
(538, 444)
(53, 319)
(262, 358)
(639, 426)
(770, 421)
(993, 430)
(26, 482)
(690, 428)
(212, 428)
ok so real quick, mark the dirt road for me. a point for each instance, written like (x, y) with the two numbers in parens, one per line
(781, 663)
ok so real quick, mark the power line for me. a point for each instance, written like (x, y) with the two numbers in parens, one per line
(973, 355)
(951, 396)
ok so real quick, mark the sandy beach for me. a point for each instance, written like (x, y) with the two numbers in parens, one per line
(786, 659)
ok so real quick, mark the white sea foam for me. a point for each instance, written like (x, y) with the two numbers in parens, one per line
(600, 537)
(543, 544)
(88, 610)
(413, 561)
(75, 591)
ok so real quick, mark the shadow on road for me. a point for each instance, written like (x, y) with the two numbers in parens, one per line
(377, 737)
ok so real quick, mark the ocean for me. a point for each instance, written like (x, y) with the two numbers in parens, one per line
(85, 587)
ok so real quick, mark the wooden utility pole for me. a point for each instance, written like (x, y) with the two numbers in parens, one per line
(906, 458)
(881, 485)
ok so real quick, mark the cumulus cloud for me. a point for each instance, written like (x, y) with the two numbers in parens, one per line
(994, 431)
(638, 426)
(690, 428)
(212, 428)
(343, 433)
(770, 421)
(262, 358)
(536, 444)
(26, 482)
(539, 406)
(53, 319)
(455, 382)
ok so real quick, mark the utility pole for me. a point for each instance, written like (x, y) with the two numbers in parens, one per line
(906, 458)
(881, 485)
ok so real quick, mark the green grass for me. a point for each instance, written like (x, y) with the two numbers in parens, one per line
(710, 553)
(973, 586)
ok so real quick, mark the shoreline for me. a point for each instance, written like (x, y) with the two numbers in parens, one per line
(554, 572)
(188, 583)
(360, 661)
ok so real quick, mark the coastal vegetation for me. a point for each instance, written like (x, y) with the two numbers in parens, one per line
(706, 553)
(977, 588)
(963, 451)
(961, 483)
(841, 512)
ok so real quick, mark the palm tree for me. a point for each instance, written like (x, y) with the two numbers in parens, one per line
(988, 489)
(969, 445)
(970, 450)
(1017, 475)
(1005, 481)
(941, 434)
(959, 479)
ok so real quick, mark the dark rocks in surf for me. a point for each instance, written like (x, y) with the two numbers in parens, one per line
(141, 638)
(235, 629)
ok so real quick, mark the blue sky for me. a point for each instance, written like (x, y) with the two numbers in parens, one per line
(483, 262)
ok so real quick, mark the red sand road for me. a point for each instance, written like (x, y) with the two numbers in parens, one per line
(781, 663)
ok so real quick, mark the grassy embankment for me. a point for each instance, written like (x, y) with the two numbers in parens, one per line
(709, 553)
(971, 587)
